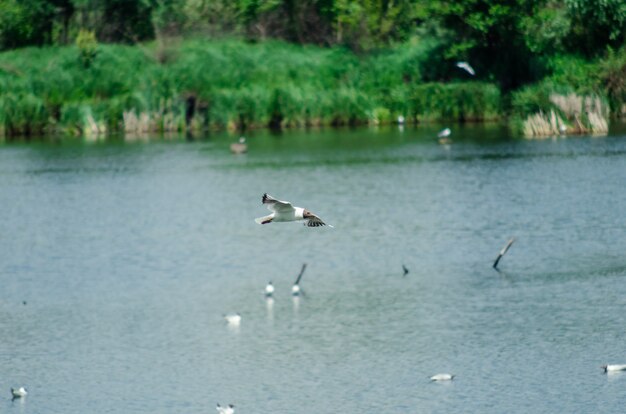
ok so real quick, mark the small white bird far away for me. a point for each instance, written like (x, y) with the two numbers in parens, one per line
(18, 392)
(442, 377)
(269, 289)
(466, 66)
(614, 368)
(225, 410)
(233, 319)
(444, 133)
(283, 211)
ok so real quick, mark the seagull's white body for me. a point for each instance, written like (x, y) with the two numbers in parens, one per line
(400, 120)
(295, 290)
(19, 392)
(614, 368)
(233, 319)
(283, 211)
(442, 377)
(225, 410)
(444, 133)
(466, 66)
(269, 290)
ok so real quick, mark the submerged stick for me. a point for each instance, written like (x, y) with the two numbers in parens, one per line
(502, 252)
(300, 275)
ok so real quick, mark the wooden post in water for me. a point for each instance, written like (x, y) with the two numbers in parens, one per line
(300, 275)
(502, 252)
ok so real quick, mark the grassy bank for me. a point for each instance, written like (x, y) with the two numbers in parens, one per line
(230, 84)
(225, 84)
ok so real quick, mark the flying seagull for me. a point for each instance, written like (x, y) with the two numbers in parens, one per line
(467, 67)
(295, 289)
(285, 211)
(19, 392)
(502, 253)
(225, 410)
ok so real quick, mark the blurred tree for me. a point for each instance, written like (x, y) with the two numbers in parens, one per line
(25, 22)
(596, 24)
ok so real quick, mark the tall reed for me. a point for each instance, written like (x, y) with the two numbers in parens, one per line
(225, 84)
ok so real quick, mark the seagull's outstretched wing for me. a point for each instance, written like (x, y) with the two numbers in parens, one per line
(275, 205)
(466, 66)
(315, 222)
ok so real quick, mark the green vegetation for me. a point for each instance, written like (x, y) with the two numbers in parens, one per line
(225, 84)
(95, 66)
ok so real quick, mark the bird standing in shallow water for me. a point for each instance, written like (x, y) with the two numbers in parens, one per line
(283, 211)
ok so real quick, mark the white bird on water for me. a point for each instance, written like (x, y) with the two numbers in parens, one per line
(225, 410)
(466, 66)
(444, 133)
(442, 377)
(233, 319)
(269, 289)
(284, 211)
(19, 392)
(614, 368)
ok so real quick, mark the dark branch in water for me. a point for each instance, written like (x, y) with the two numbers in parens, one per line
(502, 252)
(300, 275)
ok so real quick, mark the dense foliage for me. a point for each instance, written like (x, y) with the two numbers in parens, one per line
(301, 61)
(506, 39)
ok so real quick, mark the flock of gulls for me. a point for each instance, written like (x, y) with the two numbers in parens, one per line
(284, 211)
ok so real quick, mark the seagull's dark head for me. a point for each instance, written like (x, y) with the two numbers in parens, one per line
(604, 367)
(307, 214)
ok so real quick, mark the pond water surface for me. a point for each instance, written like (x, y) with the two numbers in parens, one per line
(118, 260)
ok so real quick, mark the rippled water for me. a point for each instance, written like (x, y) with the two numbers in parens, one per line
(128, 253)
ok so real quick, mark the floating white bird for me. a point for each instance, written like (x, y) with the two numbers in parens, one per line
(19, 392)
(400, 120)
(442, 377)
(444, 133)
(467, 67)
(225, 410)
(233, 319)
(284, 211)
(614, 368)
(295, 290)
(239, 147)
(269, 289)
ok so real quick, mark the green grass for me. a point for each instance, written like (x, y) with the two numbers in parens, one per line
(234, 84)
